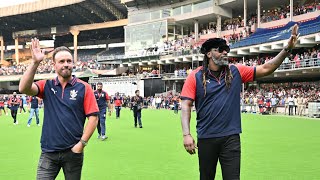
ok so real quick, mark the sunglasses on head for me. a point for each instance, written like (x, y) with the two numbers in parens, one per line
(222, 48)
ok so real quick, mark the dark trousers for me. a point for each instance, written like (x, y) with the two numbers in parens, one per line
(176, 109)
(137, 117)
(22, 108)
(51, 163)
(4, 110)
(102, 122)
(14, 115)
(225, 149)
(118, 109)
(290, 109)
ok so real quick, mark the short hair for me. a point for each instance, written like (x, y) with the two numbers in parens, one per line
(99, 83)
(136, 91)
(59, 49)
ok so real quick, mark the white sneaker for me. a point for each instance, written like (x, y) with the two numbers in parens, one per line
(28, 125)
(104, 138)
(38, 124)
(14, 123)
(17, 122)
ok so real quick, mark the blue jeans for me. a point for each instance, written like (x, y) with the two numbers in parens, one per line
(137, 116)
(34, 111)
(118, 108)
(51, 163)
(102, 122)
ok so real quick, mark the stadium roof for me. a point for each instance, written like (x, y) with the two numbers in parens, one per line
(83, 12)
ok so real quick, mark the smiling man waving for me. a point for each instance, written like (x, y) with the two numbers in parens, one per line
(68, 102)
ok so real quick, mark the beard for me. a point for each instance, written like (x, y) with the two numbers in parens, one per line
(65, 72)
(222, 61)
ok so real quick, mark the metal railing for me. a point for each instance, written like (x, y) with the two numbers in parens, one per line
(110, 57)
(173, 76)
(305, 63)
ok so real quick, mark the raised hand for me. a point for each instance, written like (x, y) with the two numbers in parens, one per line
(294, 37)
(36, 52)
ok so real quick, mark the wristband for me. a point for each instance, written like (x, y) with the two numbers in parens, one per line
(288, 50)
(83, 142)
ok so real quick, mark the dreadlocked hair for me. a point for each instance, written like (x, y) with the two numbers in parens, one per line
(204, 73)
(228, 77)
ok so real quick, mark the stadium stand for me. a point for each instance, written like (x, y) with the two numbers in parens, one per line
(277, 34)
(88, 54)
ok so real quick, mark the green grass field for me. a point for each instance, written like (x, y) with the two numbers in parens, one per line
(273, 147)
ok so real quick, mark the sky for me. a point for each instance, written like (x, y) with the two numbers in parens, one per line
(5, 3)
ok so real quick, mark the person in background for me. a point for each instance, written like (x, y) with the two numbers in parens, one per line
(137, 104)
(118, 101)
(34, 109)
(103, 101)
(14, 102)
(2, 102)
(23, 102)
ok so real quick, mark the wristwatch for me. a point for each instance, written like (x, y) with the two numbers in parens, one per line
(83, 142)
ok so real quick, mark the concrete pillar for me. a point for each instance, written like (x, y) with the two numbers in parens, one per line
(75, 34)
(259, 13)
(16, 43)
(181, 30)
(245, 9)
(196, 30)
(219, 26)
(291, 10)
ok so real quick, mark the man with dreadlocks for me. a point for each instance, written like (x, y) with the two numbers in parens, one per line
(215, 87)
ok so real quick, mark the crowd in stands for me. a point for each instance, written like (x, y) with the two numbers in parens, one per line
(19, 68)
(283, 12)
(180, 46)
(182, 72)
(47, 67)
(308, 58)
(164, 101)
(91, 64)
(187, 44)
(268, 97)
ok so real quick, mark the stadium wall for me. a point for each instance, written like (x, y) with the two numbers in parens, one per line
(12, 86)
(153, 86)
(125, 86)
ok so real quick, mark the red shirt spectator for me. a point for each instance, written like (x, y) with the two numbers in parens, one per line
(117, 101)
